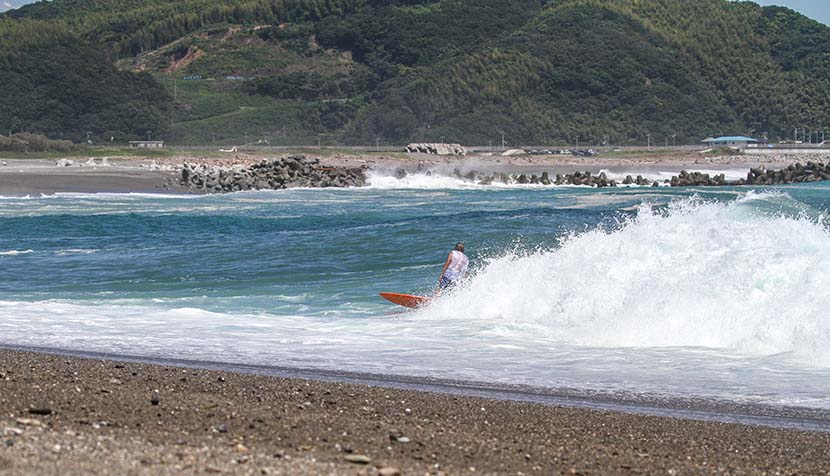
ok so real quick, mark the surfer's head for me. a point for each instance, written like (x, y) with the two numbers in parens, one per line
(459, 247)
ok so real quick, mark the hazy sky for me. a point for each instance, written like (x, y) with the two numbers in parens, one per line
(817, 9)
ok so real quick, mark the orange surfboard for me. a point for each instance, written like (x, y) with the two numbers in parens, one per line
(406, 300)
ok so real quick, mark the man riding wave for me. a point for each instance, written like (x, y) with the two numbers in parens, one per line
(455, 268)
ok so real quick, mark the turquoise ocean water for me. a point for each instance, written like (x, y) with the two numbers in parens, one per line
(718, 294)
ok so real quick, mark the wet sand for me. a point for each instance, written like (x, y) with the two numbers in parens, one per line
(65, 415)
(43, 177)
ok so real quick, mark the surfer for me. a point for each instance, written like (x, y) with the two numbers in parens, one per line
(455, 269)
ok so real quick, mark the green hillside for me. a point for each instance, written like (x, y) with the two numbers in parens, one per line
(57, 84)
(353, 71)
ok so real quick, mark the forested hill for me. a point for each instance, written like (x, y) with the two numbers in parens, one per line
(357, 71)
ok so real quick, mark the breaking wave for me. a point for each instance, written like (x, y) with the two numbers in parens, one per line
(749, 276)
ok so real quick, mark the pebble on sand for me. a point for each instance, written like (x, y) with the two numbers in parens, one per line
(358, 459)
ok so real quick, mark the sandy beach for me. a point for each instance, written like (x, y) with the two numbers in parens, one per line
(42, 177)
(20, 177)
(66, 415)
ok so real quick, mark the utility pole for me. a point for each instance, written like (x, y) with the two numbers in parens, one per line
(502, 140)
(173, 107)
(377, 144)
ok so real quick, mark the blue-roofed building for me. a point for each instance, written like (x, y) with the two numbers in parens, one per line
(735, 142)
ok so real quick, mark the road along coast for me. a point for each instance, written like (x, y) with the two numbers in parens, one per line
(68, 415)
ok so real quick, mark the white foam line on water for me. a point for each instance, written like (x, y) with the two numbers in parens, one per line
(97, 196)
(16, 252)
(76, 252)
(131, 195)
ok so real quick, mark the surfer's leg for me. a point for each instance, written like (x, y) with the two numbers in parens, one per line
(442, 285)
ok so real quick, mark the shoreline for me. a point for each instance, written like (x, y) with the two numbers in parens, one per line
(38, 177)
(686, 408)
(77, 415)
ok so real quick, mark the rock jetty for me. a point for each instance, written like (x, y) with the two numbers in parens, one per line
(274, 174)
(299, 171)
(697, 179)
(795, 173)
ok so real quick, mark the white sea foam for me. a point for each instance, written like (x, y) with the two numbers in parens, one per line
(385, 181)
(698, 274)
(420, 181)
(16, 252)
(97, 196)
(75, 251)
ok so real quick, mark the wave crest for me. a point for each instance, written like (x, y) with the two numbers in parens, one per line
(735, 276)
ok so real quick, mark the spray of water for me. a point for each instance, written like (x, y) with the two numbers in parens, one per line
(385, 180)
(735, 276)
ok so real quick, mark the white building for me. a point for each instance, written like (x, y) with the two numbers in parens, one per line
(735, 142)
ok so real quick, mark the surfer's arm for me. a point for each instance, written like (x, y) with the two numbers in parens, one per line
(444, 269)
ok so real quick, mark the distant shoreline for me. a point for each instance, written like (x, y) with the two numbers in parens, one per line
(21, 177)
